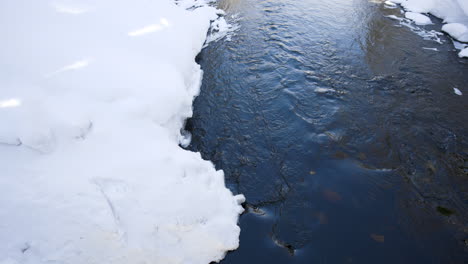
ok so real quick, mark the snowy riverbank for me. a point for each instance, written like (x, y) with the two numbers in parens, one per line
(453, 12)
(94, 95)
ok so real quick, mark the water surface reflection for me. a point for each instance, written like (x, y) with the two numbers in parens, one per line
(342, 132)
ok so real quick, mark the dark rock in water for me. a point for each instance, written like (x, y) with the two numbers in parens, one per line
(445, 211)
(378, 238)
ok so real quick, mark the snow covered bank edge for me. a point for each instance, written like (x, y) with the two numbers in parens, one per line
(453, 12)
(94, 97)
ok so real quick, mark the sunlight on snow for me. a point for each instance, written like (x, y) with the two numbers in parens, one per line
(69, 9)
(163, 23)
(10, 103)
(74, 66)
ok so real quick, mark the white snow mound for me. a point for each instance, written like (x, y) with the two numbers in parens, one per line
(419, 19)
(390, 4)
(457, 31)
(463, 53)
(94, 95)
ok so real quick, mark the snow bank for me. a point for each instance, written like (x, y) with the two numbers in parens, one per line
(453, 12)
(94, 95)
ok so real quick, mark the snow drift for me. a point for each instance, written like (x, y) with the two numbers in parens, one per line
(94, 95)
(453, 12)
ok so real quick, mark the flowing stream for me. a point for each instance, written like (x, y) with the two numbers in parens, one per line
(342, 129)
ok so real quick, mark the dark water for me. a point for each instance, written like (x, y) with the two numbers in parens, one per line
(344, 135)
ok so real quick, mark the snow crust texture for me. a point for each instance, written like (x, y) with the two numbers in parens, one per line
(94, 96)
(453, 12)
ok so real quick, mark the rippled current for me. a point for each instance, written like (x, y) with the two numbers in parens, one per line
(343, 133)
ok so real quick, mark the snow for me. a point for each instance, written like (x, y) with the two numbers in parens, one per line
(395, 17)
(324, 90)
(457, 31)
(463, 53)
(453, 12)
(432, 35)
(457, 92)
(419, 19)
(389, 4)
(94, 96)
(433, 49)
(462, 47)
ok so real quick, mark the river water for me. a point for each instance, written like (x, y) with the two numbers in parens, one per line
(341, 130)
